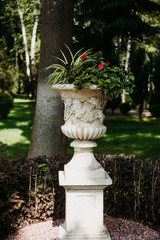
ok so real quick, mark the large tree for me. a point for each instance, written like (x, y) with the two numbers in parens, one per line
(47, 138)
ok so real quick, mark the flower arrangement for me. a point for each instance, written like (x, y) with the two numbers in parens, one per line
(85, 69)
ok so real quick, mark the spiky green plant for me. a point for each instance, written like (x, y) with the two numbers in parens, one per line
(61, 70)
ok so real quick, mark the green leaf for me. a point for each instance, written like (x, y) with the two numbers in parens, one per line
(86, 85)
(105, 75)
(94, 78)
(112, 85)
(65, 59)
(109, 96)
(131, 77)
(120, 91)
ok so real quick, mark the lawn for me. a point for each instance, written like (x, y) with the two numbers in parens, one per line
(130, 135)
(125, 134)
(16, 130)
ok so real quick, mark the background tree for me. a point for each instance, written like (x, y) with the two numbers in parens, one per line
(115, 26)
(140, 66)
(114, 19)
(47, 138)
(19, 27)
(155, 94)
(29, 11)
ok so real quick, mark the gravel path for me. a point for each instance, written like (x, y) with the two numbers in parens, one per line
(119, 229)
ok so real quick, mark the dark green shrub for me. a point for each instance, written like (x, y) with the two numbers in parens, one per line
(155, 110)
(135, 190)
(124, 108)
(6, 102)
(27, 191)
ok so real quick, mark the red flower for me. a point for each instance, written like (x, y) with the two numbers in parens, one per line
(100, 66)
(108, 62)
(84, 56)
(0, 89)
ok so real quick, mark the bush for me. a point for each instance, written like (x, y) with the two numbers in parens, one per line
(27, 192)
(6, 102)
(135, 190)
(155, 110)
(124, 108)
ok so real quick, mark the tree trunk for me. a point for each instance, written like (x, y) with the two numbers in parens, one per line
(28, 72)
(16, 50)
(33, 41)
(47, 138)
(126, 65)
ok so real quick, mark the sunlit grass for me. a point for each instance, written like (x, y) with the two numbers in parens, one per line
(130, 135)
(125, 134)
(16, 130)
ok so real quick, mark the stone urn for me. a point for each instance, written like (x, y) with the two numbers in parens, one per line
(83, 177)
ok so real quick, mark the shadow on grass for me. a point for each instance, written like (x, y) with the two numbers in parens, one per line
(17, 150)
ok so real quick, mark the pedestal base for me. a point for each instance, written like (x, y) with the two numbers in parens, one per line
(83, 236)
(84, 180)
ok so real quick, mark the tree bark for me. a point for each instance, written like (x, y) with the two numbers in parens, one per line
(28, 72)
(47, 138)
(33, 41)
(128, 53)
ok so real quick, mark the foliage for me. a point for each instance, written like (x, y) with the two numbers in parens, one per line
(6, 102)
(30, 190)
(11, 31)
(7, 71)
(113, 19)
(124, 108)
(155, 110)
(86, 69)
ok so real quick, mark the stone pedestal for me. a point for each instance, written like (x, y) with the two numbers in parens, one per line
(83, 177)
(84, 180)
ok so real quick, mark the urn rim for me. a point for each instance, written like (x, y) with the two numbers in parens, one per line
(71, 87)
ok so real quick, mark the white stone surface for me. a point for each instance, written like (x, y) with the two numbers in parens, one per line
(84, 215)
(83, 168)
(83, 114)
(84, 180)
(83, 177)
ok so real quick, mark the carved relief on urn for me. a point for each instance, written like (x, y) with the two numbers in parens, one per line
(83, 114)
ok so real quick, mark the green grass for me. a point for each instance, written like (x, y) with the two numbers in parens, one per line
(16, 130)
(130, 135)
(125, 134)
